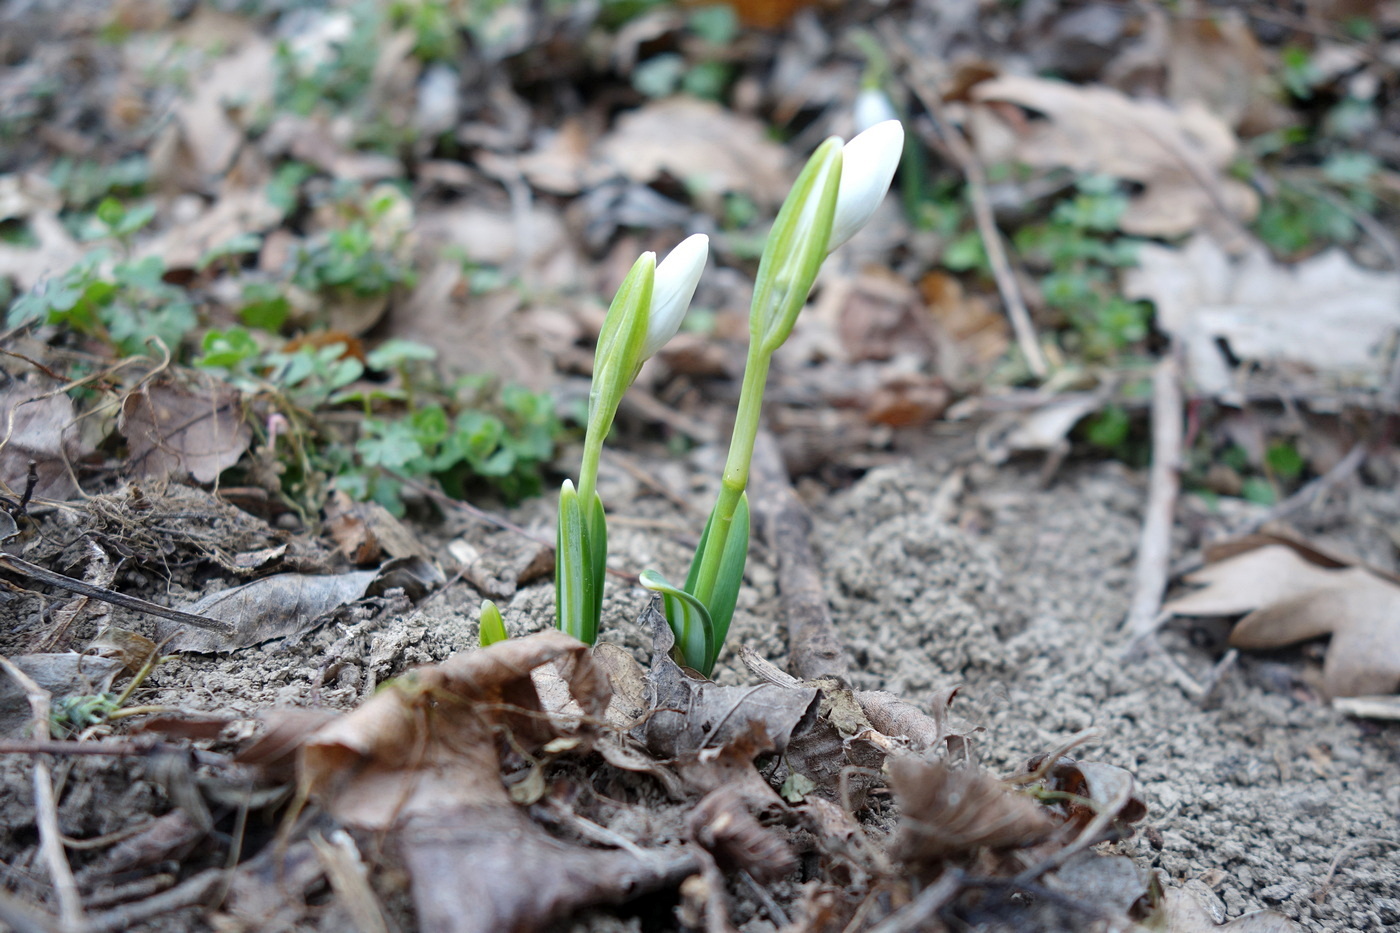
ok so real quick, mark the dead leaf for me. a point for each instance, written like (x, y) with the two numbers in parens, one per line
(288, 604)
(709, 148)
(243, 81)
(946, 811)
(39, 425)
(722, 823)
(423, 757)
(689, 715)
(364, 530)
(1179, 155)
(1291, 599)
(1093, 787)
(57, 251)
(237, 212)
(1325, 313)
(172, 431)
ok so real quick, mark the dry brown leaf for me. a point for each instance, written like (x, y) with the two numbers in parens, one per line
(173, 431)
(1290, 599)
(1325, 313)
(711, 149)
(947, 811)
(1179, 155)
(244, 81)
(430, 741)
(38, 425)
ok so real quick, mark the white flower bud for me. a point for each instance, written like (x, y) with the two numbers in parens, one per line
(868, 163)
(674, 286)
(872, 107)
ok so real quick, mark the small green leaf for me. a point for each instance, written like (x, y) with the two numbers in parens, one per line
(689, 620)
(574, 600)
(493, 628)
(797, 786)
(731, 575)
(1285, 461)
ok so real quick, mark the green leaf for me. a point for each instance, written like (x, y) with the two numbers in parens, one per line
(574, 599)
(1285, 461)
(688, 618)
(226, 349)
(731, 574)
(493, 627)
(596, 538)
(797, 787)
(388, 444)
(397, 351)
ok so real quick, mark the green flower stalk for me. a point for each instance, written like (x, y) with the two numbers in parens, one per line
(646, 313)
(835, 195)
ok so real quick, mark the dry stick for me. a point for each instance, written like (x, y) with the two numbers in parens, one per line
(1164, 483)
(70, 904)
(73, 585)
(924, 85)
(188, 894)
(812, 640)
(21, 918)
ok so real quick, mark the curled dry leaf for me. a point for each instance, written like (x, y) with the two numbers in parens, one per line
(422, 759)
(1081, 790)
(1290, 598)
(722, 823)
(172, 431)
(946, 811)
(689, 714)
(429, 741)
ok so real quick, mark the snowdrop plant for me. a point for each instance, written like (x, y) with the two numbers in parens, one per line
(645, 313)
(835, 195)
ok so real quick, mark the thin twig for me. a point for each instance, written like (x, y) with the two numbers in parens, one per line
(70, 904)
(924, 85)
(188, 894)
(73, 585)
(816, 649)
(1155, 545)
(21, 918)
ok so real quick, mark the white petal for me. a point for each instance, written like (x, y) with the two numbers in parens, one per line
(872, 107)
(676, 278)
(867, 168)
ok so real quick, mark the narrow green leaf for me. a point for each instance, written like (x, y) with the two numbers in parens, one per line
(596, 541)
(493, 627)
(731, 576)
(688, 618)
(573, 580)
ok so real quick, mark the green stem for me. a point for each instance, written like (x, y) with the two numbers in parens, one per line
(736, 468)
(588, 471)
